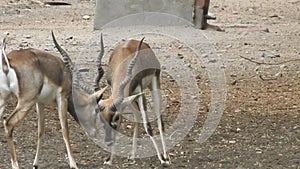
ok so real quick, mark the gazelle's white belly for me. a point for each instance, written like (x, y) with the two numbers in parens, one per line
(146, 82)
(48, 93)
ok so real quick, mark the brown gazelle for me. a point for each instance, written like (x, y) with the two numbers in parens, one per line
(37, 77)
(125, 89)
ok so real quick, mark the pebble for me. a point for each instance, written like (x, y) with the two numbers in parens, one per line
(194, 97)
(27, 36)
(268, 55)
(205, 55)
(180, 56)
(212, 61)
(84, 70)
(86, 17)
(232, 141)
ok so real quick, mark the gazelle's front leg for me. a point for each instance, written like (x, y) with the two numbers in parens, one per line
(109, 160)
(62, 111)
(156, 97)
(137, 118)
(41, 131)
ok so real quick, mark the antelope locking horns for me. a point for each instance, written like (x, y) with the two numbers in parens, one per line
(100, 69)
(76, 77)
(126, 80)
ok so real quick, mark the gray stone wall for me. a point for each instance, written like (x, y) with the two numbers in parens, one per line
(112, 13)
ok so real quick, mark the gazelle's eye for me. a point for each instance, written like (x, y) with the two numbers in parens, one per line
(101, 108)
(116, 118)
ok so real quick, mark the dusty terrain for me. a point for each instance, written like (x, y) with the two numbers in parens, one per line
(260, 124)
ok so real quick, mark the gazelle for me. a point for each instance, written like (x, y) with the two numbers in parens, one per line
(146, 74)
(36, 78)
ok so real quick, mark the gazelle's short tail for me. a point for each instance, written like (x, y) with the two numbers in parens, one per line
(4, 63)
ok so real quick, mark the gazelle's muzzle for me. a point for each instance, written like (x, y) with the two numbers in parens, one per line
(108, 135)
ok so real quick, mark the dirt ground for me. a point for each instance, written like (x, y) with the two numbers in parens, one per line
(260, 124)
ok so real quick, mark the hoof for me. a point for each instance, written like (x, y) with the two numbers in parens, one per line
(107, 161)
(35, 167)
(131, 160)
(165, 163)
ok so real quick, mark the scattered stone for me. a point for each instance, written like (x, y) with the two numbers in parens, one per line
(274, 16)
(69, 38)
(86, 17)
(83, 69)
(258, 151)
(180, 56)
(268, 55)
(187, 65)
(228, 46)
(232, 141)
(194, 97)
(205, 55)
(212, 61)
(233, 82)
(174, 100)
(27, 36)
(237, 110)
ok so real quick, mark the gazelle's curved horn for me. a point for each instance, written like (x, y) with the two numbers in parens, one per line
(126, 80)
(68, 62)
(100, 69)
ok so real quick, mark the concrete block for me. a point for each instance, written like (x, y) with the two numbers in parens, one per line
(112, 13)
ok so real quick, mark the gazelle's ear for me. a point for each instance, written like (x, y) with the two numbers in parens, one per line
(98, 94)
(128, 100)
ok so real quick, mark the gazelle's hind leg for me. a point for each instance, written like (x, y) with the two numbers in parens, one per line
(146, 123)
(41, 131)
(3, 97)
(17, 115)
(156, 97)
(62, 111)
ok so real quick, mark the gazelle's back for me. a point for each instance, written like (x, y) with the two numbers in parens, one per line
(47, 73)
(147, 63)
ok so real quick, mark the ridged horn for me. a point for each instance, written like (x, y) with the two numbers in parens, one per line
(100, 69)
(126, 80)
(76, 76)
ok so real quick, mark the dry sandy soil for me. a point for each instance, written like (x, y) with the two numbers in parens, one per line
(260, 126)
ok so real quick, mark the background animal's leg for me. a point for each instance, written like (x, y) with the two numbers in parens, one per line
(156, 97)
(41, 131)
(146, 123)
